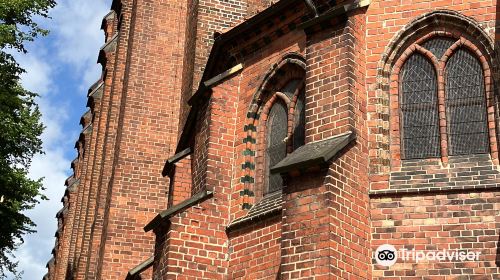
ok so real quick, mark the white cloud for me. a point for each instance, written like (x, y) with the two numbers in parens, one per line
(35, 252)
(74, 44)
(38, 78)
(77, 28)
(53, 166)
(38, 75)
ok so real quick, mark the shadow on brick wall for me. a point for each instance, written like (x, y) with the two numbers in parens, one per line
(497, 46)
(69, 272)
(497, 259)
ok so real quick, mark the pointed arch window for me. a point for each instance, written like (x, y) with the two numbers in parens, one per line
(276, 143)
(419, 109)
(299, 129)
(280, 137)
(465, 124)
(466, 105)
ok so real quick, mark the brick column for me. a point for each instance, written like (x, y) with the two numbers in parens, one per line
(143, 125)
(96, 205)
(65, 239)
(193, 241)
(325, 214)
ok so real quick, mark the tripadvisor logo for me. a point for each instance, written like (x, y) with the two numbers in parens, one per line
(387, 255)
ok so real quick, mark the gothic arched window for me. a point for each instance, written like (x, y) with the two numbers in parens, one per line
(280, 137)
(466, 105)
(299, 129)
(463, 104)
(419, 109)
(276, 142)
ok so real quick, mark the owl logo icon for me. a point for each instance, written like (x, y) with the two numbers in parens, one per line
(386, 255)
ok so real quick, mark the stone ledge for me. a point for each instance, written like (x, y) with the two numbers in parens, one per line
(219, 78)
(436, 190)
(314, 154)
(72, 187)
(268, 206)
(333, 12)
(140, 268)
(169, 164)
(165, 214)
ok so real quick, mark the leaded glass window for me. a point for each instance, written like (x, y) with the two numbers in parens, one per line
(299, 131)
(466, 105)
(277, 128)
(438, 45)
(419, 109)
(290, 88)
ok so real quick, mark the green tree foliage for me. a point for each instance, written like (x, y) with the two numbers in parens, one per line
(20, 126)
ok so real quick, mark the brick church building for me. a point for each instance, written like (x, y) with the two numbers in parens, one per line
(287, 139)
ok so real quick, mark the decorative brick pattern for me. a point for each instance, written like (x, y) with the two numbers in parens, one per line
(290, 66)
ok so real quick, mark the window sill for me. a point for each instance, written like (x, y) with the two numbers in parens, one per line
(270, 205)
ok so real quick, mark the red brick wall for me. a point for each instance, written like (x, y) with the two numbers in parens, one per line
(332, 219)
(255, 250)
(190, 246)
(83, 145)
(460, 221)
(306, 236)
(444, 203)
(256, 89)
(199, 158)
(147, 274)
(147, 129)
(113, 105)
(214, 15)
(161, 251)
(325, 227)
(110, 25)
(188, 86)
(65, 238)
(89, 197)
(325, 224)
(99, 198)
(100, 107)
(256, 6)
(204, 19)
(182, 182)
(84, 186)
(329, 103)
(94, 151)
(194, 243)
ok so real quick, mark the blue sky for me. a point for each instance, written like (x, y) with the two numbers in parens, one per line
(60, 67)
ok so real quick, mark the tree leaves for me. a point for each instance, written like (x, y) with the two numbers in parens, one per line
(20, 127)
(16, 21)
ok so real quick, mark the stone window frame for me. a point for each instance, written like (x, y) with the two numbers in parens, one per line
(439, 65)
